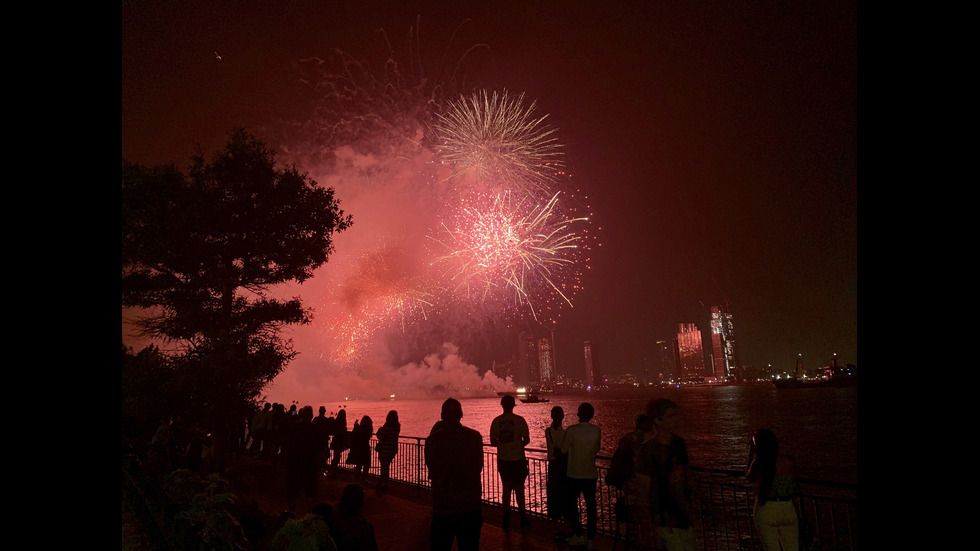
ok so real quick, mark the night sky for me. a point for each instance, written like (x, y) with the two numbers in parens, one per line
(716, 141)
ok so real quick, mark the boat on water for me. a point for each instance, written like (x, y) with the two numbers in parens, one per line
(831, 376)
(533, 399)
(525, 395)
(833, 382)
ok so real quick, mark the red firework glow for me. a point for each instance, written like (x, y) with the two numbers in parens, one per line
(503, 242)
(384, 291)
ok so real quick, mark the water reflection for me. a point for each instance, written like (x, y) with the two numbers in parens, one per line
(817, 426)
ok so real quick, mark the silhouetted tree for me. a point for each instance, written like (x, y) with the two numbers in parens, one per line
(145, 377)
(200, 253)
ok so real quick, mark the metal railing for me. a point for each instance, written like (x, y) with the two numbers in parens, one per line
(830, 508)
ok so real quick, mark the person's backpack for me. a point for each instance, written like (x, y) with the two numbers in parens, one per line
(621, 467)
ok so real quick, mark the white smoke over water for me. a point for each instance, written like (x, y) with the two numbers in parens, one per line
(442, 373)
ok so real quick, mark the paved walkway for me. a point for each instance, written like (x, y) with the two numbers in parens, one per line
(401, 517)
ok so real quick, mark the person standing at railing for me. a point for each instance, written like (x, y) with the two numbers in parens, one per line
(302, 449)
(454, 458)
(554, 435)
(671, 486)
(387, 447)
(509, 433)
(775, 511)
(277, 420)
(325, 424)
(260, 430)
(360, 449)
(339, 442)
(582, 442)
(636, 489)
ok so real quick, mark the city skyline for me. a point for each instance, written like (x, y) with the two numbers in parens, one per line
(714, 145)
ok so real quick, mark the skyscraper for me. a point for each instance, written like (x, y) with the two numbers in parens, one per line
(546, 362)
(725, 355)
(664, 360)
(528, 356)
(690, 352)
(592, 376)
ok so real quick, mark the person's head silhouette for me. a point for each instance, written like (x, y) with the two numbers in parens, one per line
(452, 410)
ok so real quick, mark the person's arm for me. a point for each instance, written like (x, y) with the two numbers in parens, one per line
(750, 472)
(493, 432)
(525, 434)
(476, 452)
(427, 450)
(791, 467)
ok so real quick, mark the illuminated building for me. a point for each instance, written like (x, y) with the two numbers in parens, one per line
(725, 356)
(690, 352)
(592, 376)
(546, 362)
(664, 359)
(528, 356)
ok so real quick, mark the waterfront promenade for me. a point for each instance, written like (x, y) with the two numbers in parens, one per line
(400, 517)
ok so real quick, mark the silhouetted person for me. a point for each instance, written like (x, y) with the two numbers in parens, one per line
(454, 457)
(554, 437)
(194, 451)
(325, 424)
(387, 447)
(163, 447)
(302, 449)
(354, 532)
(259, 429)
(277, 421)
(582, 442)
(671, 488)
(312, 532)
(636, 490)
(326, 512)
(339, 441)
(360, 448)
(776, 511)
(509, 433)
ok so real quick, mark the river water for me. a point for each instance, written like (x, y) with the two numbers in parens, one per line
(817, 426)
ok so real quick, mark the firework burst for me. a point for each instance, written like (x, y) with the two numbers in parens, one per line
(467, 178)
(386, 290)
(505, 245)
(497, 141)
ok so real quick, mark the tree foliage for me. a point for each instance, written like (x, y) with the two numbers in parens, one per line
(200, 253)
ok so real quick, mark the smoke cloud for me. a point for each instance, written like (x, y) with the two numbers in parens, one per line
(383, 321)
(438, 374)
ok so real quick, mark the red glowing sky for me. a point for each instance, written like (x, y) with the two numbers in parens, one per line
(716, 140)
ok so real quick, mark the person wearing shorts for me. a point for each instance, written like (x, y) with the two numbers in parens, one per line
(509, 433)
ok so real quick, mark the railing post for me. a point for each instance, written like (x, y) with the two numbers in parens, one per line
(418, 466)
(833, 515)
